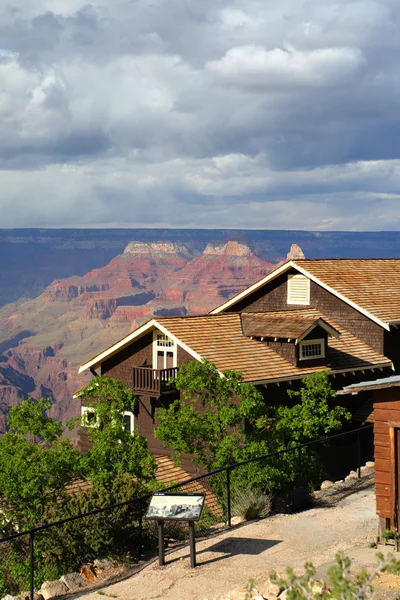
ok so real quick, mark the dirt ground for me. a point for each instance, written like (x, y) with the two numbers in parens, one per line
(250, 551)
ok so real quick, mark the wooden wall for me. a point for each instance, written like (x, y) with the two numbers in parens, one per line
(273, 296)
(386, 415)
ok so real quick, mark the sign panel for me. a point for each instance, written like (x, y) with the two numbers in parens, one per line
(176, 507)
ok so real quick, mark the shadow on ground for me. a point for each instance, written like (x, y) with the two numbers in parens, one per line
(232, 547)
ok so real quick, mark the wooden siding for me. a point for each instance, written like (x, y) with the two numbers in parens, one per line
(138, 354)
(270, 297)
(386, 414)
(349, 318)
(286, 349)
(273, 297)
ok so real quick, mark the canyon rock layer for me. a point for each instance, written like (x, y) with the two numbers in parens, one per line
(43, 340)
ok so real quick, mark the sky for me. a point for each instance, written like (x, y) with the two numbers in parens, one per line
(275, 114)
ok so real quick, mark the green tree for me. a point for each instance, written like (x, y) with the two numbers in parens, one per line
(36, 465)
(115, 450)
(37, 468)
(313, 415)
(208, 420)
(220, 420)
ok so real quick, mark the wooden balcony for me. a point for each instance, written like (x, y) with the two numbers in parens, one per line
(153, 381)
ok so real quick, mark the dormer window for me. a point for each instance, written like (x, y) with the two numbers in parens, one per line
(312, 349)
(298, 290)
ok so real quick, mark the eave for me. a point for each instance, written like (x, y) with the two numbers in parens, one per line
(97, 360)
(332, 373)
(283, 269)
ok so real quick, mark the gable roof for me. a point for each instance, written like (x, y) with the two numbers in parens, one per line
(219, 339)
(371, 286)
(293, 325)
(148, 326)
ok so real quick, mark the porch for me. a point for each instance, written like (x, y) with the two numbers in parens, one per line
(153, 381)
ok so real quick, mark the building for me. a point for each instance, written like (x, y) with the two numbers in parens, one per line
(382, 396)
(303, 317)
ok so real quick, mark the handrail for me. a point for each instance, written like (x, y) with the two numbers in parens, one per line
(153, 380)
(181, 484)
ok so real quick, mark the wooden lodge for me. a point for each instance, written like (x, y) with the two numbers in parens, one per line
(305, 316)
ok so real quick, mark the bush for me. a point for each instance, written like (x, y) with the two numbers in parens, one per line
(251, 504)
(341, 582)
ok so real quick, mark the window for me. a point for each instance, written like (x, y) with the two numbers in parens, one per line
(164, 352)
(129, 421)
(298, 289)
(88, 417)
(312, 349)
(163, 341)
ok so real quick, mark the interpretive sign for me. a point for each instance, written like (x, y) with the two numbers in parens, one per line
(175, 507)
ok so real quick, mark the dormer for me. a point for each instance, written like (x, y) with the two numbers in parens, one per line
(299, 336)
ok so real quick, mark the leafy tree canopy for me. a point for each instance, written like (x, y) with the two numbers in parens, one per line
(115, 450)
(35, 465)
(30, 419)
(208, 420)
(221, 419)
(313, 415)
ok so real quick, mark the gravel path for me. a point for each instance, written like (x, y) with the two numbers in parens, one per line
(252, 550)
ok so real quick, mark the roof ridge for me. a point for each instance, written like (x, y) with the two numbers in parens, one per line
(391, 258)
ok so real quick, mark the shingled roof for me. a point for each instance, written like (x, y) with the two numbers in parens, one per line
(372, 286)
(286, 325)
(220, 340)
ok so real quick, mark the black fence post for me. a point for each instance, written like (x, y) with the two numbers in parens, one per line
(140, 532)
(228, 495)
(31, 566)
(299, 475)
(358, 454)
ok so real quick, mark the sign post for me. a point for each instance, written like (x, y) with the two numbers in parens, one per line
(161, 549)
(192, 543)
(175, 507)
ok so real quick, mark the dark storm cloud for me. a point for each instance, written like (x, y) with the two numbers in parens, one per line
(200, 112)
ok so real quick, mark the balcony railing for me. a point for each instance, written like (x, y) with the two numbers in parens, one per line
(153, 381)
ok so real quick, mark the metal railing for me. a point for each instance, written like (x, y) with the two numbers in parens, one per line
(142, 501)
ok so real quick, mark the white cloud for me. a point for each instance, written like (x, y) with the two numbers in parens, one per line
(196, 112)
(282, 68)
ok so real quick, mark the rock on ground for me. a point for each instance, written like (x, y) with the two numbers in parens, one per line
(73, 581)
(52, 589)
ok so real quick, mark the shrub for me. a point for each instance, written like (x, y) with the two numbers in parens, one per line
(251, 504)
(341, 582)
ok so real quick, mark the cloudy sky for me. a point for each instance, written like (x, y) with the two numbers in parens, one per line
(271, 114)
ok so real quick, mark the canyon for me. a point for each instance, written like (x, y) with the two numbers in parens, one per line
(43, 340)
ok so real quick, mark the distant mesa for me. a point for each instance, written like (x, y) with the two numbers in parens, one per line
(295, 253)
(228, 249)
(156, 249)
